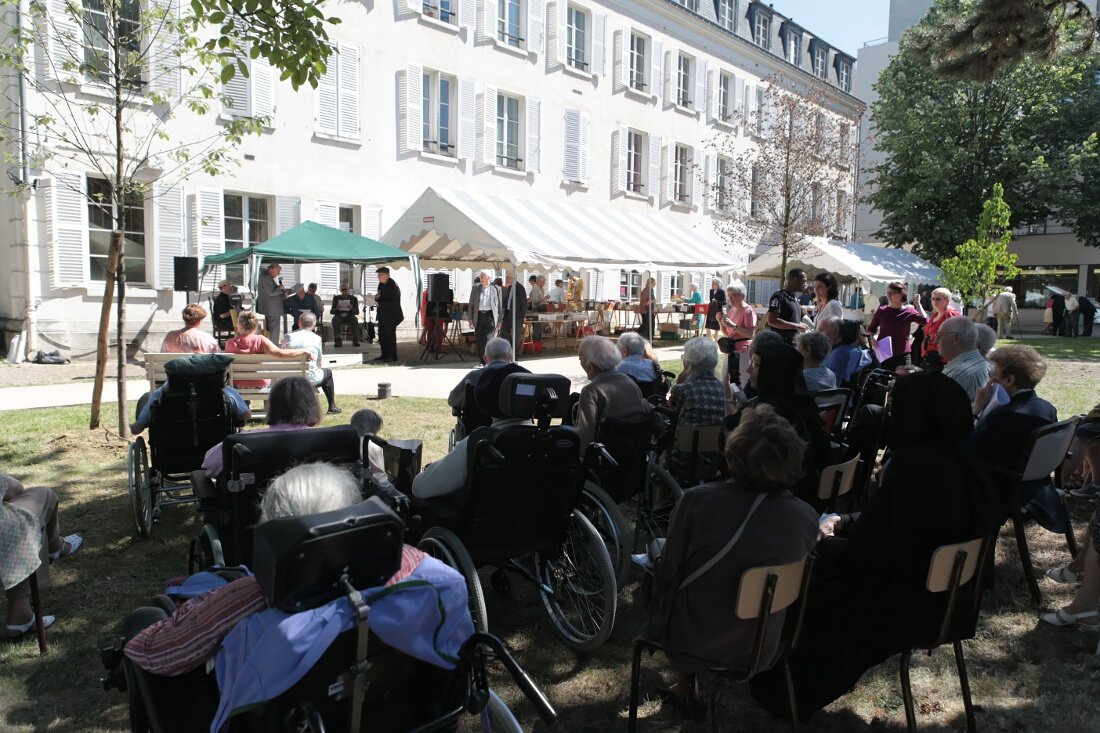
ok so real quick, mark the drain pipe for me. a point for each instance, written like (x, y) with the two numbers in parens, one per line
(30, 249)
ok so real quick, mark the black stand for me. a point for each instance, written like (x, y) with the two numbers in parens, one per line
(440, 329)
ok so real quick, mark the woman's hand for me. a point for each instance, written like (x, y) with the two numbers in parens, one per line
(982, 398)
(829, 526)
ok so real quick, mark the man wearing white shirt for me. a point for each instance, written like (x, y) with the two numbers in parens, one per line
(304, 338)
(485, 312)
(557, 293)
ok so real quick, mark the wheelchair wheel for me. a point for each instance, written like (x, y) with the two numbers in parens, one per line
(141, 491)
(607, 518)
(206, 551)
(497, 718)
(653, 518)
(577, 587)
(442, 544)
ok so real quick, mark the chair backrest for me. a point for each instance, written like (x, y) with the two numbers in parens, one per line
(752, 588)
(300, 561)
(833, 406)
(628, 443)
(837, 480)
(1046, 449)
(699, 438)
(523, 484)
(185, 422)
(951, 568)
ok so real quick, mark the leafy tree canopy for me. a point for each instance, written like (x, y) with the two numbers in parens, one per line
(979, 262)
(948, 141)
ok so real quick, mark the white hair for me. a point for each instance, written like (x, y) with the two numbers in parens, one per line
(964, 328)
(941, 291)
(366, 422)
(987, 337)
(307, 320)
(632, 344)
(737, 288)
(310, 488)
(701, 353)
(499, 349)
(486, 273)
(600, 352)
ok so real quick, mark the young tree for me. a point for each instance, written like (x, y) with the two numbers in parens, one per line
(115, 86)
(979, 263)
(792, 179)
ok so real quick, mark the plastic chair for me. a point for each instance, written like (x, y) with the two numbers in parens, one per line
(836, 481)
(762, 592)
(951, 568)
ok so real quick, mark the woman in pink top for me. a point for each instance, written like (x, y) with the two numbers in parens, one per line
(247, 341)
(892, 322)
(931, 361)
(190, 339)
(739, 325)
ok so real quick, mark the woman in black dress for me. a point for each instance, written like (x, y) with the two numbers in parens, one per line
(716, 306)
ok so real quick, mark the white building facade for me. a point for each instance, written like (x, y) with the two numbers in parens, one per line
(596, 103)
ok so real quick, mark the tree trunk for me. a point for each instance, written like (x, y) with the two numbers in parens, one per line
(114, 257)
(123, 422)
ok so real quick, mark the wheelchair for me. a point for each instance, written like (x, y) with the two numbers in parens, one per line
(519, 512)
(468, 418)
(250, 460)
(360, 683)
(191, 416)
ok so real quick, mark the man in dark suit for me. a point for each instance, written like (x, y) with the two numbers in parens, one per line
(345, 308)
(1058, 310)
(1088, 313)
(390, 315)
(1000, 436)
(513, 316)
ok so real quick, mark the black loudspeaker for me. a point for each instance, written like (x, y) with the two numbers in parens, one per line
(439, 285)
(187, 274)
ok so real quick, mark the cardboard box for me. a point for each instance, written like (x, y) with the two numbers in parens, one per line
(669, 328)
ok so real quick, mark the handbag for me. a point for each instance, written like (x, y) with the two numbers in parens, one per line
(725, 550)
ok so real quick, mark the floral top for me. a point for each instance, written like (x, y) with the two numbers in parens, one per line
(189, 341)
(701, 400)
(20, 543)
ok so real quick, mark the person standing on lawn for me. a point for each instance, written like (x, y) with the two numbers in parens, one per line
(390, 315)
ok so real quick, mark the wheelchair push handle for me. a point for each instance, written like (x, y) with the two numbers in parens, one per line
(596, 456)
(522, 679)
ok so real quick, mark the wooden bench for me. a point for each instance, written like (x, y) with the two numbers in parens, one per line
(244, 367)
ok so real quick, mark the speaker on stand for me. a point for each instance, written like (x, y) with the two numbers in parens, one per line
(440, 301)
(186, 271)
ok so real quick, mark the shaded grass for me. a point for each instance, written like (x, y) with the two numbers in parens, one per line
(1025, 676)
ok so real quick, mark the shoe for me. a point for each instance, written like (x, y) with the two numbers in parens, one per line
(15, 631)
(379, 358)
(1063, 575)
(74, 541)
(1086, 492)
(355, 344)
(1062, 617)
(334, 410)
(338, 344)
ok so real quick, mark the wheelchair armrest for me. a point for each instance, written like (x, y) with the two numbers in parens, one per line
(203, 486)
(395, 499)
(474, 651)
(596, 457)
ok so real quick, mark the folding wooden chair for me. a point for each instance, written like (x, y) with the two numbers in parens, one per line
(836, 481)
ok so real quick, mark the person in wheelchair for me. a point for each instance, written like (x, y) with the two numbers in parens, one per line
(449, 474)
(260, 652)
(498, 353)
(609, 393)
(634, 363)
(196, 366)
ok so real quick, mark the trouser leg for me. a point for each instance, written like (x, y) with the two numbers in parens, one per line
(328, 388)
(387, 338)
(484, 331)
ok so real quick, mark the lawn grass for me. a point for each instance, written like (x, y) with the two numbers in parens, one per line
(1025, 676)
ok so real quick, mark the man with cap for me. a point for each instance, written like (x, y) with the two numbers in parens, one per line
(270, 300)
(221, 317)
(448, 474)
(301, 302)
(345, 308)
(390, 315)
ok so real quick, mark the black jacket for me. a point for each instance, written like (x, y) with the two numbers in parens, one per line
(388, 301)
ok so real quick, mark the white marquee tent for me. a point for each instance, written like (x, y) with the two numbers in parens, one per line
(851, 262)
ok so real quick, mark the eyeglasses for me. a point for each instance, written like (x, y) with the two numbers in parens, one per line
(938, 297)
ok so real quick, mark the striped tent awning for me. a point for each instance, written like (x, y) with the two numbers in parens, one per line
(445, 228)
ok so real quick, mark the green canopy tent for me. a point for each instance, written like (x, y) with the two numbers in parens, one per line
(310, 242)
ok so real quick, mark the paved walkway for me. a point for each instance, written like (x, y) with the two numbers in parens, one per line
(426, 380)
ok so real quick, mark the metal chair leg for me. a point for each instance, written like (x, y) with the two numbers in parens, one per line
(1025, 559)
(964, 684)
(715, 705)
(36, 608)
(791, 701)
(635, 683)
(907, 691)
(1071, 540)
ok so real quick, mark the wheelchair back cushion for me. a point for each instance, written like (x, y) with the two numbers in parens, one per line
(528, 395)
(299, 560)
(183, 426)
(197, 365)
(628, 443)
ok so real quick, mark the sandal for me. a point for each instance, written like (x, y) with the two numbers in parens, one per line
(73, 541)
(1063, 575)
(16, 631)
(1062, 617)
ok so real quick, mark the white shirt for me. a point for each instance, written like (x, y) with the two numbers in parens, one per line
(557, 295)
(310, 342)
(486, 302)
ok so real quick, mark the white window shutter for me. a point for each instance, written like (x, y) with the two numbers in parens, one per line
(328, 213)
(656, 72)
(713, 81)
(536, 22)
(599, 44)
(572, 133)
(263, 89)
(68, 210)
(237, 92)
(207, 222)
(561, 31)
(66, 43)
(666, 286)
(349, 90)
(288, 214)
(698, 179)
(653, 185)
(750, 106)
(372, 223)
(532, 153)
(171, 239)
(467, 13)
(327, 99)
(164, 64)
(489, 126)
(670, 171)
(699, 101)
(712, 194)
(618, 157)
(488, 20)
(467, 119)
(414, 100)
(671, 90)
(738, 97)
(582, 158)
(414, 5)
(622, 58)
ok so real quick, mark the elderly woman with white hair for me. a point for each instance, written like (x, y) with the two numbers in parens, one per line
(635, 362)
(739, 326)
(931, 361)
(698, 398)
(609, 393)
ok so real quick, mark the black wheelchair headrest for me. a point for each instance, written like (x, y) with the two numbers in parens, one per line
(299, 561)
(203, 371)
(534, 396)
(272, 451)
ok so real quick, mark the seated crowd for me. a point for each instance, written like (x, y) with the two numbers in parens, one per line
(957, 413)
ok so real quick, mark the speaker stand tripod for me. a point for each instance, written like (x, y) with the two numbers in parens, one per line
(440, 334)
